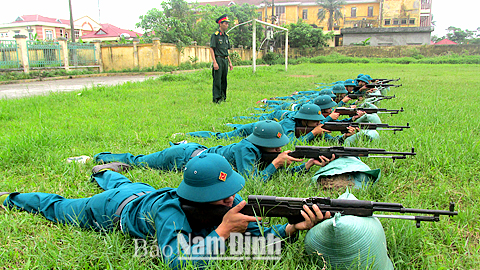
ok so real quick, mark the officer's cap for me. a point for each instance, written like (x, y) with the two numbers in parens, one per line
(208, 178)
(310, 112)
(269, 134)
(222, 18)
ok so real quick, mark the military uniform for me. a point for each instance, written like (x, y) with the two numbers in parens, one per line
(244, 157)
(150, 214)
(221, 44)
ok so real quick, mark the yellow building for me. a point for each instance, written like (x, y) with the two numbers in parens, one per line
(356, 13)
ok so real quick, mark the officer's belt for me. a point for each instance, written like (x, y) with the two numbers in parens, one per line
(224, 57)
(118, 213)
(197, 152)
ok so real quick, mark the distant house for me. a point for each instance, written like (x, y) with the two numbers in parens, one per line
(108, 32)
(445, 42)
(45, 28)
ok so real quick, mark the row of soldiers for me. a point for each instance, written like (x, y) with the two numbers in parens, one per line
(214, 176)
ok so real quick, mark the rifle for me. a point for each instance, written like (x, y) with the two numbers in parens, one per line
(204, 215)
(340, 151)
(356, 96)
(385, 80)
(271, 206)
(373, 85)
(343, 127)
(353, 111)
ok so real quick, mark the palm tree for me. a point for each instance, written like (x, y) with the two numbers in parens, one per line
(333, 8)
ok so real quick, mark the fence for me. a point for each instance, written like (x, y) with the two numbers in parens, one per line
(37, 54)
(9, 54)
(43, 54)
(81, 54)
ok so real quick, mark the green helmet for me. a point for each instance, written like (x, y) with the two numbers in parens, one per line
(327, 92)
(324, 102)
(309, 112)
(209, 177)
(269, 134)
(349, 82)
(363, 79)
(339, 89)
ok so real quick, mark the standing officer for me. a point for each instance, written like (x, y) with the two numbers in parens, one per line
(219, 45)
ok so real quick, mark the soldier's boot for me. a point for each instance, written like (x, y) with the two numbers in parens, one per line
(113, 166)
(3, 197)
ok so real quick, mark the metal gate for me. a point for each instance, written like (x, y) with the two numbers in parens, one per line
(9, 54)
(81, 54)
(43, 54)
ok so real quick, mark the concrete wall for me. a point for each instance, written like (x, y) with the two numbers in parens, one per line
(388, 36)
(389, 51)
(129, 56)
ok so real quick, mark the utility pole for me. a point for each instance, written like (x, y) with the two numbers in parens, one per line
(72, 30)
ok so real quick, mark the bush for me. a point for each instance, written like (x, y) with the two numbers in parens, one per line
(271, 57)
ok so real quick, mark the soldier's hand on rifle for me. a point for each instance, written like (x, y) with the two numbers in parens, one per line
(346, 99)
(359, 114)
(351, 131)
(323, 161)
(318, 130)
(312, 218)
(234, 221)
(283, 160)
(334, 115)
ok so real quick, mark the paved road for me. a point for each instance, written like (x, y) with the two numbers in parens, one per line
(45, 87)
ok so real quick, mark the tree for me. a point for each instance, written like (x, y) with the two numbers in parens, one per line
(303, 35)
(181, 23)
(460, 36)
(172, 24)
(333, 8)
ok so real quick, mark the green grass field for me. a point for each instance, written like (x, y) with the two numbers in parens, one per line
(39, 133)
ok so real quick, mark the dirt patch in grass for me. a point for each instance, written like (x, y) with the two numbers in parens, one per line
(302, 76)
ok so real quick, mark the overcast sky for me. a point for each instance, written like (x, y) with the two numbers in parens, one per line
(125, 14)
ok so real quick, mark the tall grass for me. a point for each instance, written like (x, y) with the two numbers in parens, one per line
(39, 133)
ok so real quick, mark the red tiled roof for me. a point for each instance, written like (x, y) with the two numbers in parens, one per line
(110, 31)
(39, 18)
(445, 42)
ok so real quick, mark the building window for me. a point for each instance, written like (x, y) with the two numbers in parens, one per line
(404, 21)
(48, 34)
(395, 21)
(30, 36)
(279, 10)
(354, 12)
(387, 22)
(412, 21)
(61, 32)
(305, 14)
(370, 12)
(77, 34)
(260, 15)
